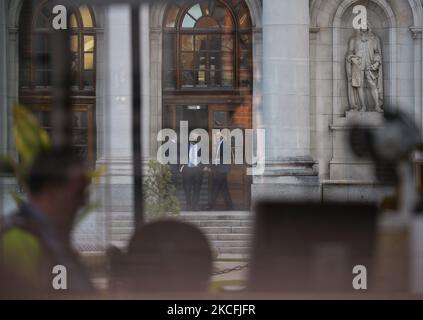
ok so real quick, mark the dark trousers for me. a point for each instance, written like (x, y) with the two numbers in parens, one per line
(192, 178)
(220, 186)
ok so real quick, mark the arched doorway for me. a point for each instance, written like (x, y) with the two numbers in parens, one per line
(207, 76)
(35, 71)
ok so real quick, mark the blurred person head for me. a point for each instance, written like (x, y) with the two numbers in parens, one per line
(57, 185)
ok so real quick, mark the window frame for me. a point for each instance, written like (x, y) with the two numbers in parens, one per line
(39, 97)
(178, 32)
(80, 32)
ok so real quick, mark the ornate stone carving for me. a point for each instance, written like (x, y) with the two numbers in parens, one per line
(364, 68)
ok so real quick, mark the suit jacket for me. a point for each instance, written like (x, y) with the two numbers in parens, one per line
(222, 167)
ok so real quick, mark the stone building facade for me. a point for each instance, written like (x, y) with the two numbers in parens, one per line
(298, 93)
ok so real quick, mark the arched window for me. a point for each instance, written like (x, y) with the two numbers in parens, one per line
(35, 69)
(207, 44)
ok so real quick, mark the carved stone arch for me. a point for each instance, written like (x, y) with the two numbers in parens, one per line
(99, 15)
(383, 4)
(319, 6)
(315, 12)
(256, 12)
(393, 18)
(321, 12)
(14, 13)
(417, 11)
(15, 8)
(158, 11)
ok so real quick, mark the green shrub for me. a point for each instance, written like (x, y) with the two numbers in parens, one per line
(159, 192)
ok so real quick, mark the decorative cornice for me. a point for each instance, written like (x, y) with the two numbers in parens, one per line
(313, 32)
(13, 34)
(314, 29)
(12, 30)
(416, 32)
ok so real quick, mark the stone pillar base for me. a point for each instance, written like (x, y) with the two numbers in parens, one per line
(348, 191)
(288, 180)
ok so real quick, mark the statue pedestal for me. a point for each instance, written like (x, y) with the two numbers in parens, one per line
(345, 166)
(352, 179)
(369, 119)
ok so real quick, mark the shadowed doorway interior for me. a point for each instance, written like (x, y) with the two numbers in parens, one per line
(209, 118)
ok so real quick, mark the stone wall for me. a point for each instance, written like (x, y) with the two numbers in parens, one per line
(299, 97)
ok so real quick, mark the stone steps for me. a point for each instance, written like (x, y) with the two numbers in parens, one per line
(220, 215)
(122, 224)
(229, 233)
(222, 223)
(226, 230)
(230, 244)
(233, 250)
(230, 237)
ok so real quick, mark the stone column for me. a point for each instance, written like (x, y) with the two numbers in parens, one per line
(118, 92)
(286, 102)
(8, 98)
(3, 96)
(12, 72)
(115, 134)
(3, 77)
(145, 74)
(114, 123)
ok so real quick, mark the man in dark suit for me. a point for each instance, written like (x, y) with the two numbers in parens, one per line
(219, 172)
(192, 176)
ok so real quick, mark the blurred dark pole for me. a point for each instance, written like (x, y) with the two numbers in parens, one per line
(136, 114)
(61, 106)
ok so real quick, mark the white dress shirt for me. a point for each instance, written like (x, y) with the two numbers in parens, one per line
(193, 156)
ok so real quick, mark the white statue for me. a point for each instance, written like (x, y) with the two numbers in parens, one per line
(365, 71)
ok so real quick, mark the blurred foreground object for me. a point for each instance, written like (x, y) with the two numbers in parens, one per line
(311, 248)
(163, 257)
(387, 146)
(37, 238)
(391, 148)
